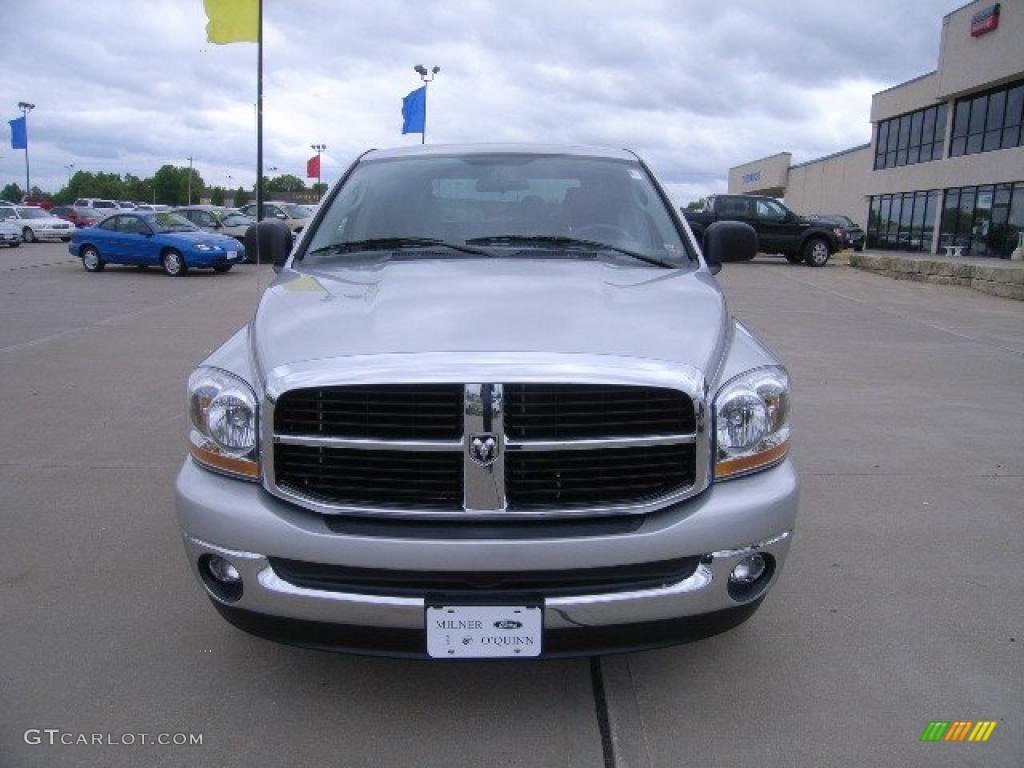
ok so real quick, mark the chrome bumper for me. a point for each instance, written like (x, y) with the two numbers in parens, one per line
(243, 523)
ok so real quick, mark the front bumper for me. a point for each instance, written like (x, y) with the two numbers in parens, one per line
(246, 525)
(52, 233)
(219, 257)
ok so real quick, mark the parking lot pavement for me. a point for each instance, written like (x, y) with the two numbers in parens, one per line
(901, 601)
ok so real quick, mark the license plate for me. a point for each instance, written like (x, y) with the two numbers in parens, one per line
(483, 631)
(232, 254)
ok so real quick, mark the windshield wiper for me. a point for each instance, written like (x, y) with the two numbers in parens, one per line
(567, 242)
(397, 244)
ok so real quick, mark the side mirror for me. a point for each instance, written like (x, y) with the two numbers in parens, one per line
(268, 242)
(728, 241)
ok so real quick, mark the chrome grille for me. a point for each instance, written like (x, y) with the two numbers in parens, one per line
(555, 449)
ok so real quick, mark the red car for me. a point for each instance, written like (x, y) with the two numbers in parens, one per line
(38, 202)
(80, 217)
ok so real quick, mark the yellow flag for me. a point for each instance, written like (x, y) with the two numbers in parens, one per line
(232, 21)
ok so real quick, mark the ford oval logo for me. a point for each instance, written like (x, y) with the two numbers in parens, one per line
(508, 624)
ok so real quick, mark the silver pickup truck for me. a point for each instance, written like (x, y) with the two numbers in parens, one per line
(494, 406)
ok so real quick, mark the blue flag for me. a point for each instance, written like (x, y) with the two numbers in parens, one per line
(414, 111)
(19, 136)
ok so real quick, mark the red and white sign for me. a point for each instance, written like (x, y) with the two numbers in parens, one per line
(985, 20)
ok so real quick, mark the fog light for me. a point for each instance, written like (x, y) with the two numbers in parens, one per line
(222, 570)
(748, 570)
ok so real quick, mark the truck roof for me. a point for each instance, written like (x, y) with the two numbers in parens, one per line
(428, 150)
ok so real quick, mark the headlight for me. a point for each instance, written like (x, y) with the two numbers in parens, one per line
(223, 424)
(204, 247)
(751, 422)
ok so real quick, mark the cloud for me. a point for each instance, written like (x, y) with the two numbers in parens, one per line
(693, 87)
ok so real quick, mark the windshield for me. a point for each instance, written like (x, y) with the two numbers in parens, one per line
(237, 220)
(33, 213)
(170, 222)
(502, 201)
(103, 204)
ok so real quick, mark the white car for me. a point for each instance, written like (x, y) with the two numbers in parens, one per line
(10, 234)
(295, 216)
(36, 223)
(97, 202)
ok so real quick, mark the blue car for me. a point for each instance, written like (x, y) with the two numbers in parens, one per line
(154, 238)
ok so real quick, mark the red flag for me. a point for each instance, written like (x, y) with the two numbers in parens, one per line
(313, 167)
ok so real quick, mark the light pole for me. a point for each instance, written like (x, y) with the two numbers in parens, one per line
(25, 108)
(427, 78)
(318, 148)
(70, 168)
(190, 181)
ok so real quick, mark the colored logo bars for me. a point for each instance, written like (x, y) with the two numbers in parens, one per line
(958, 730)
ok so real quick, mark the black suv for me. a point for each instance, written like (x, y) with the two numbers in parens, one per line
(779, 230)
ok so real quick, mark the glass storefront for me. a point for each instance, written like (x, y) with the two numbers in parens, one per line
(903, 222)
(985, 220)
(916, 137)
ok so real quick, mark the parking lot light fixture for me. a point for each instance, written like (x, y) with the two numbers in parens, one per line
(427, 77)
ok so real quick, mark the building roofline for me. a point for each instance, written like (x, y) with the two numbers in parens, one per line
(834, 154)
(957, 10)
(758, 160)
(905, 82)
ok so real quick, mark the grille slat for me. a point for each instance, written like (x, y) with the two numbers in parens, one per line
(577, 411)
(608, 476)
(384, 412)
(413, 479)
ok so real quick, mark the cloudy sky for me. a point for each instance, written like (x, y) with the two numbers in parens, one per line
(694, 87)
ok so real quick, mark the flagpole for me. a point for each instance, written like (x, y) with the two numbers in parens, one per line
(25, 108)
(259, 113)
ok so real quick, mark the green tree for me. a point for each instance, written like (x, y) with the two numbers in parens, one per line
(171, 184)
(320, 189)
(241, 197)
(217, 195)
(695, 205)
(285, 183)
(11, 192)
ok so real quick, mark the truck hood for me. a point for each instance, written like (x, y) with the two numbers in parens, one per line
(487, 307)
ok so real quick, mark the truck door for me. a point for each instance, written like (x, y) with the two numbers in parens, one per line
(777, 228)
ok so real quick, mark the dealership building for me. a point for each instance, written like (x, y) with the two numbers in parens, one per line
(945, 165)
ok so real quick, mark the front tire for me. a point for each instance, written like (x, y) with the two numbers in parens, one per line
(91, 260)
(28, 235)
(816, 252)
(173, 263)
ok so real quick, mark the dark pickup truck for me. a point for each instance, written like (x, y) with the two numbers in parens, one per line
(779, 230)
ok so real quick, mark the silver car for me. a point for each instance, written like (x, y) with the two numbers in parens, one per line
(494, 406)
(214, 219)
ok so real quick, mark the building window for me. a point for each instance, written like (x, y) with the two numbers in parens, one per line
(916, 137)
(985, 220)
(988, 121)
(902, 222)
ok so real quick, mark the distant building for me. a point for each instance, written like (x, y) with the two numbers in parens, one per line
(945, 165)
